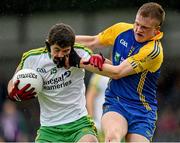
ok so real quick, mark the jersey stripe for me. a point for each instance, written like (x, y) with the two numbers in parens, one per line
(156, 51)
(80, 46)
(133, 64)
(140, 88)
(32, 52)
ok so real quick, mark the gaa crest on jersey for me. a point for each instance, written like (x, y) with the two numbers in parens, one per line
(41, 70)
(117, 57)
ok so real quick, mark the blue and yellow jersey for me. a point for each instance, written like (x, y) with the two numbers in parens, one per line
(146, 58)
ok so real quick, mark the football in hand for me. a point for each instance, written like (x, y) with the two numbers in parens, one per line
(29, 76)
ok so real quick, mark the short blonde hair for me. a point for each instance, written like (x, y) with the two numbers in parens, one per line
(153, 10)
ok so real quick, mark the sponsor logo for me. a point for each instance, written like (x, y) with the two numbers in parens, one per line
(59, 82)
(41, 70)
(123, 42)
(27, 75)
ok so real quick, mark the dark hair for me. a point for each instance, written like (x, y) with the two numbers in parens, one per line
(62, 35)
(153, 10)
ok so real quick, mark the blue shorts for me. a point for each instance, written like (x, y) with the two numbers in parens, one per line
(140, 121)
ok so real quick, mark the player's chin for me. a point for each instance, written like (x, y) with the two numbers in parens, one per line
(140, 39)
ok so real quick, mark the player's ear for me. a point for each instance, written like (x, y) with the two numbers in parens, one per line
(157, 30)
(48, 46)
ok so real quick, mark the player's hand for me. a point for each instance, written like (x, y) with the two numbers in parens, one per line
(21, 94)
(59, 61)
(97, 60)
(74, 59)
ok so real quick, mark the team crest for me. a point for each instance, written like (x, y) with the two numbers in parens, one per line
(117, 57)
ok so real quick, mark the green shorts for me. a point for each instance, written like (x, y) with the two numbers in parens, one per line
(70, 132)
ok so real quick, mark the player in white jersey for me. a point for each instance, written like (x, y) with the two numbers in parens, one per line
(63, 113)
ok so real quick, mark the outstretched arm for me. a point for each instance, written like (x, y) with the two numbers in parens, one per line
(114, 72)
(98, 64)
(91, 42)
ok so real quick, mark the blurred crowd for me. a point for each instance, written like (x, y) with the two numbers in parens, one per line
(19, 122)
(168, 125)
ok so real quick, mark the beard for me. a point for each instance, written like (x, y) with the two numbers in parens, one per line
(59, 61)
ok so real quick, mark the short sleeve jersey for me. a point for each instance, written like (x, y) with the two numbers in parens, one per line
(146, 58)
(62, 99)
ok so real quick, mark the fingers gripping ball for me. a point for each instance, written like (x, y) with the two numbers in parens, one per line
(29, 76)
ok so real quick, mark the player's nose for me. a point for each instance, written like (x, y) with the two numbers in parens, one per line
(60, 54)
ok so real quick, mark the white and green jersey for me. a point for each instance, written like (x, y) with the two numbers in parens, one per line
(62, 99)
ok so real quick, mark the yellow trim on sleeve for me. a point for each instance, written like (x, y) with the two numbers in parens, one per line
(149, 57)
(108, 36)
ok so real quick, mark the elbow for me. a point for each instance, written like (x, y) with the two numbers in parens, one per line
(116, 75)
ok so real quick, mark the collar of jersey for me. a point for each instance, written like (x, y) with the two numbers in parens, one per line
(158, 36)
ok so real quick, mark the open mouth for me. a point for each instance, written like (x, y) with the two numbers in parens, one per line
(139, 35)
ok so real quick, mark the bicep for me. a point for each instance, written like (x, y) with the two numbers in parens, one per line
(123, 70)
(91, 42)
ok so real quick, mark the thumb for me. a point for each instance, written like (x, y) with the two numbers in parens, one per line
(16, 83)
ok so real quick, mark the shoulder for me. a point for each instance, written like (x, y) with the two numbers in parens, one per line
(82, 49)
(119, 28)
(122, 26)
(108, 36)
(31, 56)
(152, 49)
(149, 57)
(34, 52)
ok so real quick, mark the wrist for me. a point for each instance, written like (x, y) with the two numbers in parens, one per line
(81, 65)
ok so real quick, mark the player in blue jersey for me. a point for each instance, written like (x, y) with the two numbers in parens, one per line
(130, 108)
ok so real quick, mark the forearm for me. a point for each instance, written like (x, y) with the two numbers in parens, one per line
(114, 72)
(10, 86)
(108, 61)
(107, 70)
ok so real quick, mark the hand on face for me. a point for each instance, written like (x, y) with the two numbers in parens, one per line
(70, 60)
(60, 55)
(59, 61)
